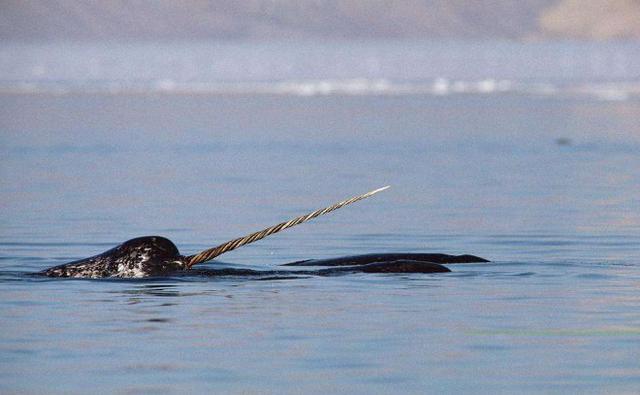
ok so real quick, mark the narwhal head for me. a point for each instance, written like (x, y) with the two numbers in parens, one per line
(139, 257)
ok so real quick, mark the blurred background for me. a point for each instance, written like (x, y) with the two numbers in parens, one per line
(319, 47)
(526, 20)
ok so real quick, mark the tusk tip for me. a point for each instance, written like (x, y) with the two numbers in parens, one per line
(380, 189)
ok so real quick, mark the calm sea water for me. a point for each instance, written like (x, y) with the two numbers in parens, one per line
(545, 187)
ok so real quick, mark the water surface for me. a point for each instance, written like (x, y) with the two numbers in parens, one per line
(545, 187)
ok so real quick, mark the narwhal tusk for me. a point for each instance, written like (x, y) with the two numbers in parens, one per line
(211, 253)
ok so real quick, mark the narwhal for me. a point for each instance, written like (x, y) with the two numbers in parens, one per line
(156, 256)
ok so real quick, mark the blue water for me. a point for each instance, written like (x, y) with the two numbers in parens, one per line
(545, 187)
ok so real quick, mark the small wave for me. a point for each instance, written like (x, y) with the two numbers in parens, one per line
(330, 87)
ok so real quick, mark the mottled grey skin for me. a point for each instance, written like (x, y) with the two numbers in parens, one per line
(155, 256)
(140, 257)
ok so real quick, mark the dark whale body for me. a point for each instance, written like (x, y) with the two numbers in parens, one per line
(396, 266)
(156, 256)
(373, 258)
